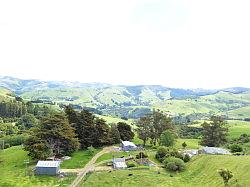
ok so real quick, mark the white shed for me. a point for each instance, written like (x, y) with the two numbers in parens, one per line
(47, 167)
(119, 163)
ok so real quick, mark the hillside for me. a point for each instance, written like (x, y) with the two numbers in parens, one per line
(134, 101)
(198, 173)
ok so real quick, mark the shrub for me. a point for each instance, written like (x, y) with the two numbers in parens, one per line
(161, 153)
(141, 155)
(174, 164)
(14, 140)
(91, 150)
(226, 175)
(186, 158)
(184, 145)
(235, 148)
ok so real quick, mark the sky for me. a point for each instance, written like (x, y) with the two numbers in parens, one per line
(175, 43)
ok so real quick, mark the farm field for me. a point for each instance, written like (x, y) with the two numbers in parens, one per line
(201, 171)
(13, 171)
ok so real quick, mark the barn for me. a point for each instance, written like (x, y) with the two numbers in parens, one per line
(47, 168)
(128, 146)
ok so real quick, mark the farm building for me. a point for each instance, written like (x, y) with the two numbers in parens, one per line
(47, 167)
(191, 152)
(119, 163)
(128, 146)
(214, 151)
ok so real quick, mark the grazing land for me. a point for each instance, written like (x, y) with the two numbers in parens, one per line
(201, 171)
(13, 171)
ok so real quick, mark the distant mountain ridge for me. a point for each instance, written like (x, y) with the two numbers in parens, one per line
(20, 86)
(133, 101)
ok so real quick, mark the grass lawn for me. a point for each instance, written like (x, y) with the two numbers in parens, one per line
(236, 128)
(13, 171)
(78, 159)
(200, 171)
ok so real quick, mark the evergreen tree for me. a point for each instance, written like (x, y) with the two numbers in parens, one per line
(54, 135)
(125, 131)
(114, 135)
(214, 133)
(102, 132)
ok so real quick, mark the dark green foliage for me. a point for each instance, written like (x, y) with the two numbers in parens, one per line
(13, 140)
(235, 148)
(165, 152)
(184, 145)
(7, 129)
(185, 131)
(12, 108)
(161, 153)
(91, 150)
(168, 138)
(90, 130)
(186, 158)
(153, 125)
(38, 148)
(174, 164)
(125, 131)
(27, 121)
(141, 155)
(226, 175)
(114, 135)
(102, 132)
(143, 129)
(85, 129)
(214, 134)
(53, 136)
(160, 122)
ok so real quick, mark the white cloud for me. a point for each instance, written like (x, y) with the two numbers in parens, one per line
(175, 43)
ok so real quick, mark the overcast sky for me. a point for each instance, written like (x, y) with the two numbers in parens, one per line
(189, 44)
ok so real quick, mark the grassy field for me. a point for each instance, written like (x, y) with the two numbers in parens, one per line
(13, 171)
(201, 171)
(110, 119)
(78, 159)
(236, 128)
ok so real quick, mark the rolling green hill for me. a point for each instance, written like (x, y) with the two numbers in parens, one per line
(134, 101)
(201, 171)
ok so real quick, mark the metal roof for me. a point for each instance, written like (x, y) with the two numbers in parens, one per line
(215, 150)
(128, 143)
(48, 164)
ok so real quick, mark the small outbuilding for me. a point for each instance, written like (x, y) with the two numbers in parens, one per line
(128, 146)
(119, 163)
(214, 151)
(47, 168)
(191, 152)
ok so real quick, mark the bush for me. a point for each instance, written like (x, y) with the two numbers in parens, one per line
(161, 153)
(14, 140)
(235, 148)
(174, 164)
(141, 155)
(186, 158)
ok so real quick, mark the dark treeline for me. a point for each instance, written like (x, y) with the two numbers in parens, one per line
(63, 133)
(12, 109)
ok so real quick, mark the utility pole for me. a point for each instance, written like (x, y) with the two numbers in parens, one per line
(26, 162)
